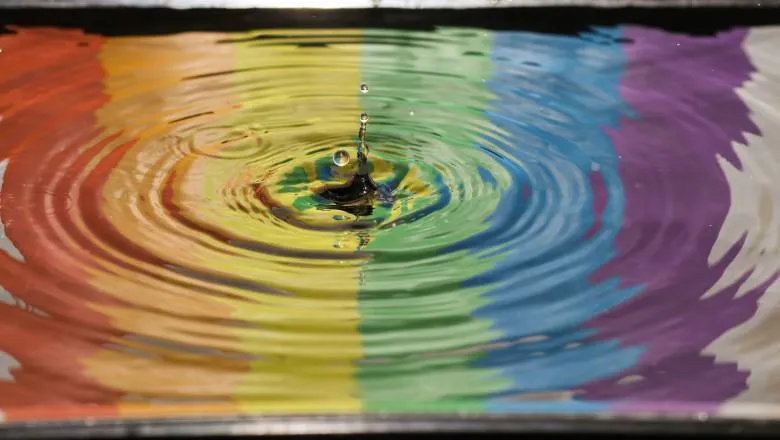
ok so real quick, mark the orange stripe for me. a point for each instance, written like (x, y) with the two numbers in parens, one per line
(146, 82)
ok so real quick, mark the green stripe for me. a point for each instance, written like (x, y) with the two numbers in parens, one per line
(414, 334)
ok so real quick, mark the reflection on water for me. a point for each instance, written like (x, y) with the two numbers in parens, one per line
(577, 223)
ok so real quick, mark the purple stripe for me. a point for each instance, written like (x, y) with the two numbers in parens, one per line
(682, 89)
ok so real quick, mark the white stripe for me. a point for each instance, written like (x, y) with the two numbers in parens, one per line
(5, 243)
(6, 297)
(755, 212)
(7, 363)
(8, 247)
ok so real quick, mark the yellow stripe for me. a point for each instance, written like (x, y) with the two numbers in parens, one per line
(318, 86)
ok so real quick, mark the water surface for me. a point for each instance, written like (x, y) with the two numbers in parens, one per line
(580, 223)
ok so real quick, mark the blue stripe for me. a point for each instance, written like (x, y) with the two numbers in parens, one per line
(555, 95)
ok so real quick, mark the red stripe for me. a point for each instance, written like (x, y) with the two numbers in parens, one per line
(50, 86)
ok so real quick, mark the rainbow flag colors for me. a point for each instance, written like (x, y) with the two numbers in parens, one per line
(133, 283)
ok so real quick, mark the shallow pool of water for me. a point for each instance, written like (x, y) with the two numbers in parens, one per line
(578, 223)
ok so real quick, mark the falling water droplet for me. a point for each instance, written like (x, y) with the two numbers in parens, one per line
(341, 158)
(411, 112)
(364, 117)
(364, 88)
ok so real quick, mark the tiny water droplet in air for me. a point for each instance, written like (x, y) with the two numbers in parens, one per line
(364, 88)
(341, 158)
(364, 117)
(678, 44)
(595, 167)
(411, 112)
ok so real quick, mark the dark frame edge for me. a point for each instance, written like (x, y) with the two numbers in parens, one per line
(560, 20)
(383, 424)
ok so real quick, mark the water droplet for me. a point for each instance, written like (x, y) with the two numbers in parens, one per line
(364, 117)
(364, 88)
(341, 158)
(595, 167)
(411, 112)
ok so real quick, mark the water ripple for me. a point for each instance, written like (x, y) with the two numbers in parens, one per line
(166, 225)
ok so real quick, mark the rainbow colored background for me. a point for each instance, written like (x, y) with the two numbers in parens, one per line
(676, 323)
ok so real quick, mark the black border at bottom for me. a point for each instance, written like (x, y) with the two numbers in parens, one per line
(382, 426)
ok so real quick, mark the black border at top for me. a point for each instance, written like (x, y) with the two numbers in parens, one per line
(559, 20)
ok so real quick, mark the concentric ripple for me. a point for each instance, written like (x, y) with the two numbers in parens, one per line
(163, 224)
